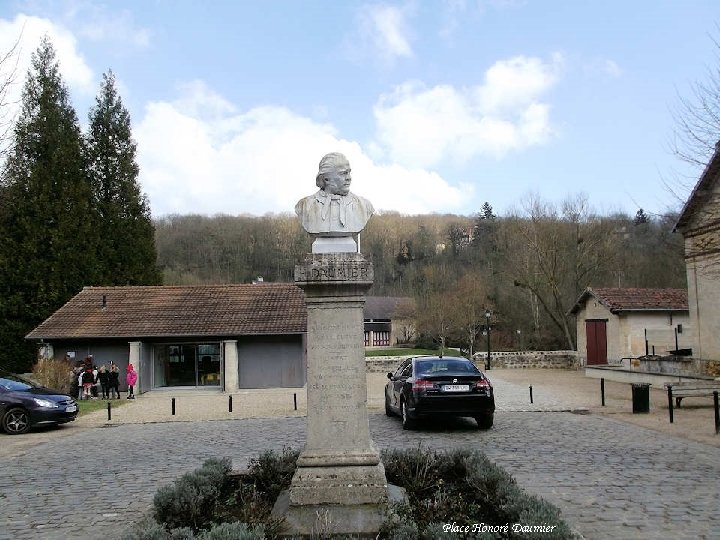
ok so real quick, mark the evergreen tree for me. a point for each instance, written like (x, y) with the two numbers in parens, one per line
(640, 217)
(487, 211)
(127, 254)
(47, 246)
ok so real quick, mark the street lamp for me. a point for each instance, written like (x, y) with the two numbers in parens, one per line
(487, 332)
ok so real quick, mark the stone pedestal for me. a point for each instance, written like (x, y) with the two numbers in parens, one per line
(340, 485)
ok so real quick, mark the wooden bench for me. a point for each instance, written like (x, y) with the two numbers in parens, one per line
(680, 390)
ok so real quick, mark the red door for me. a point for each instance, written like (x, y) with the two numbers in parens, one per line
(596, 334)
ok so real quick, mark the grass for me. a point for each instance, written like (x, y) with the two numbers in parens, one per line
(89, 406)
(409, 352)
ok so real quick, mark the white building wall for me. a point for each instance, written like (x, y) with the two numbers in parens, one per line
(704, 302)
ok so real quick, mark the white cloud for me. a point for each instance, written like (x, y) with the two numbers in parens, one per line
(426, 126)
(30, 30)
(198, 154)
(27, 31)
(383, 29)
(611, 68)
(97, 24)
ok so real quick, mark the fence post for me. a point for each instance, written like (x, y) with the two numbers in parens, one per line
(109, 414)
(531, 396)
(173, 406)
(602, 391)
(670, 402)
(230, 403)
(717, 412)
(295, 400)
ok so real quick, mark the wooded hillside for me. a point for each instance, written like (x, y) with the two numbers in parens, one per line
(528, 268)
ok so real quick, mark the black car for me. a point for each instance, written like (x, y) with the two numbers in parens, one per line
(24, 405)
(439, 386)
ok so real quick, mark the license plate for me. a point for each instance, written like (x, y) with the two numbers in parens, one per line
(456, 388)
(71, 408)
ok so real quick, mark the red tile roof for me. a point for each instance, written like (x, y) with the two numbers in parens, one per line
(176, 311)
(616, 299)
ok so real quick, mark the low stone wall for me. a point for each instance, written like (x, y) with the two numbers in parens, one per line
(674, 365)
(530, 359)
(508, 360)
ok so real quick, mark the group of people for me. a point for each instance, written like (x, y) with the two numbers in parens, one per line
(88, 377)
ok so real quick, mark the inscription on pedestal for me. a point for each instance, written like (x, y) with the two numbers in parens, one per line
(332, 267)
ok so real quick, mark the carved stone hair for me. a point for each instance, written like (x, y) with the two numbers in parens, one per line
(327, 164)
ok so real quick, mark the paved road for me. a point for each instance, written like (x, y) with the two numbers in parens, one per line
(612, 480)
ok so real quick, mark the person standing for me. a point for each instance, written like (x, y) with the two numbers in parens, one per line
(96, 382)
(104, 378)
(131, 379)
(88, 380)
(114, 380)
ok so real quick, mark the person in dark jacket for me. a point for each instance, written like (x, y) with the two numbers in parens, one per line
(114, 381)
(104, 378)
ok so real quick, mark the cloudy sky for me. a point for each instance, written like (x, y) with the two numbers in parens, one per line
(439, 105)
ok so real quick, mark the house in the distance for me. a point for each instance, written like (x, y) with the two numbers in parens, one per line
(389, 321)
(211, 336)
(616, 323)
(699, 223)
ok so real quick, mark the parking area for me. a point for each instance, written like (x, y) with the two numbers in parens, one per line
(612, 478)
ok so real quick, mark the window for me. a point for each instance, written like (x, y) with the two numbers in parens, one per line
(381, 339)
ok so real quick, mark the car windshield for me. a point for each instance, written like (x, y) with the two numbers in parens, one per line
(14, 385)
(440, 365)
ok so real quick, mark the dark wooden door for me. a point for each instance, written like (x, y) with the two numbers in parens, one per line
(596, 333)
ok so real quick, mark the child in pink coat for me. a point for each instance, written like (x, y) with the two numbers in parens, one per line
(131, 379)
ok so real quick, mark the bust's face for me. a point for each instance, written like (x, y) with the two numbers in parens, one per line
(337, 181)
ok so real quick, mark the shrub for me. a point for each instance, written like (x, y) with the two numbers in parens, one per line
(271, 472)
(55, 374)
(149, 529)
(191, 500)
(462, 486)
(233, 531)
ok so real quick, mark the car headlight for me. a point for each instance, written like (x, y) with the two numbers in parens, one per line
(45, 403)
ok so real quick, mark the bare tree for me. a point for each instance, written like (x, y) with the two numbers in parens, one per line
(697, 118)
(8, 106)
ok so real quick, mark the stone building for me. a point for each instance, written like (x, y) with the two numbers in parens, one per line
(616, 323)
(225, 337)
(699, 223)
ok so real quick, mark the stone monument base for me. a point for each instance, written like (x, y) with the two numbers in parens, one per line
(321, 520)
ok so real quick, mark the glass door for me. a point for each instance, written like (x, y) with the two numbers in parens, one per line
(189, 364)
(209, 364)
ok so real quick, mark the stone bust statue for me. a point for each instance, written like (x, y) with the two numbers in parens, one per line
(333, 210)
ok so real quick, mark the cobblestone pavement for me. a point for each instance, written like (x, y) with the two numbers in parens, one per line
(611, 479)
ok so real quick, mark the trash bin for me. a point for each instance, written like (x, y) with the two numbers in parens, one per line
(641, 397)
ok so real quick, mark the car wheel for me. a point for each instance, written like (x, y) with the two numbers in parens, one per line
(388, 410)
(407, 423)
(484, 422)
(16, 421)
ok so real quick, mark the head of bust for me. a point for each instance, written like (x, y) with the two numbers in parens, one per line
(333, 175)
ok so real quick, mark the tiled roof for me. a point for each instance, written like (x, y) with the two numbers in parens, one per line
(384, 307)
(616, 299)
(174, 311)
